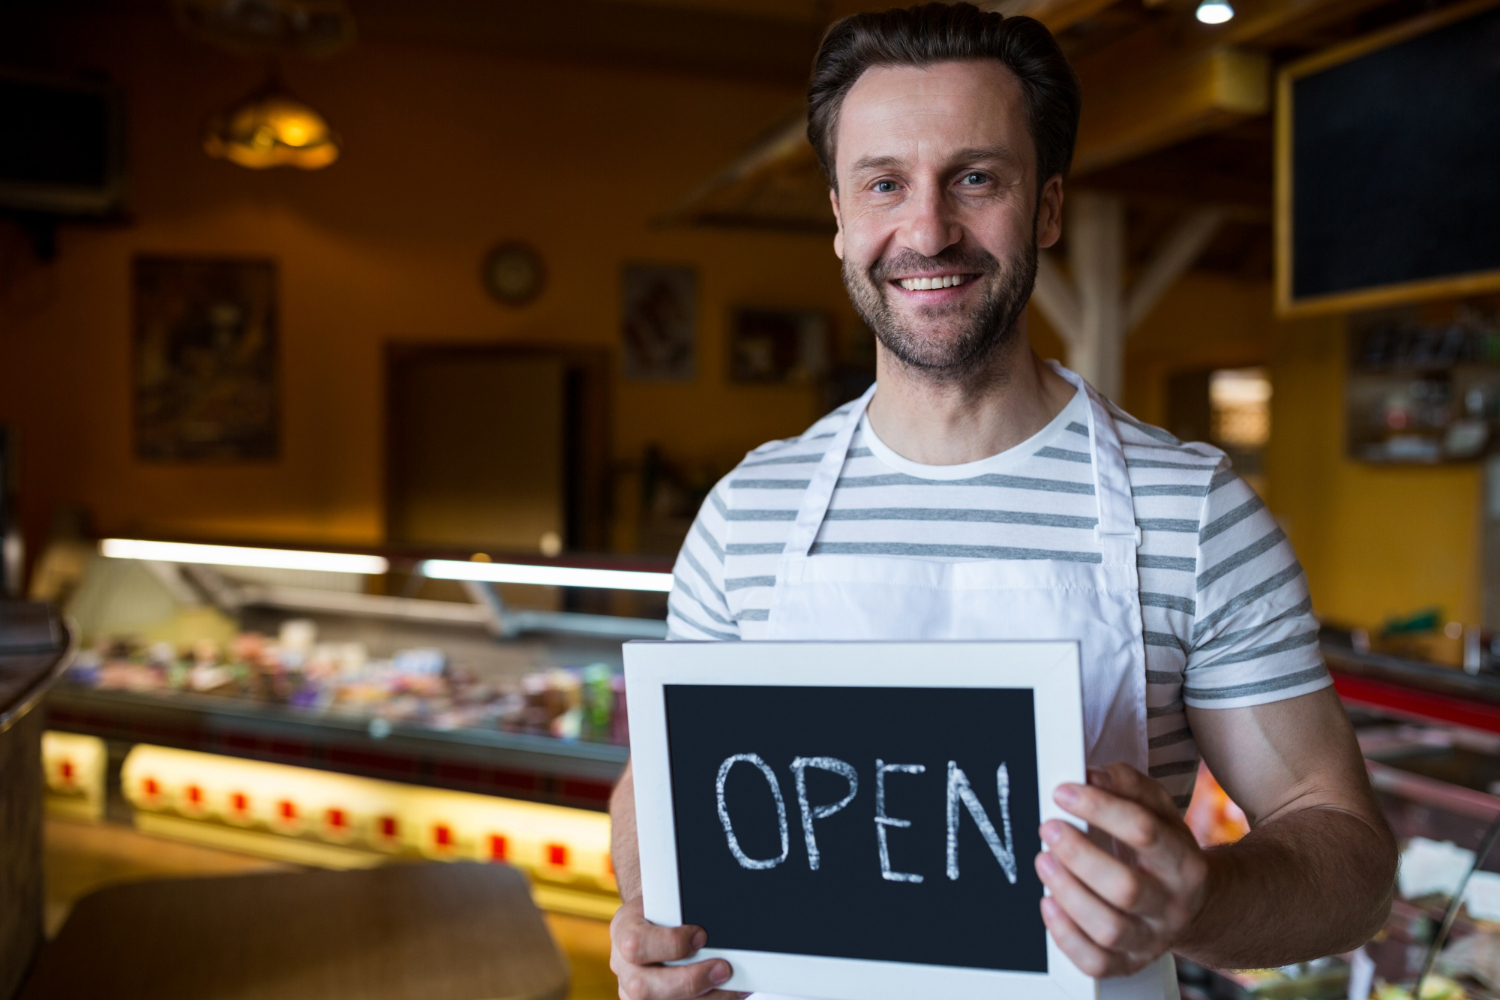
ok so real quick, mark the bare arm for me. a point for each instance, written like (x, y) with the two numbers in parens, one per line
(623, 849)
(1315, 875)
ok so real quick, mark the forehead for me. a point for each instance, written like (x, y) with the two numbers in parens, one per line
(916, 112)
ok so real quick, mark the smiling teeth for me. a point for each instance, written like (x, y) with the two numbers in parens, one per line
(924, 284)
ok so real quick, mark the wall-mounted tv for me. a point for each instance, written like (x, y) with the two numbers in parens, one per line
(64, 148)
(1388, 166)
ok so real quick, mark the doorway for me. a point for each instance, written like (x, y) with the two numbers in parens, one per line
(497, 448)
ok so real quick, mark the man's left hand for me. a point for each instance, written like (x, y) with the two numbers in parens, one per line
(1115, 915)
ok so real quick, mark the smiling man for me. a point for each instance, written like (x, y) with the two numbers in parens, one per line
(976, 492)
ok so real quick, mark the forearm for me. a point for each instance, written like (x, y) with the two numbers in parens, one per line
(1314, 882)
(623, 849)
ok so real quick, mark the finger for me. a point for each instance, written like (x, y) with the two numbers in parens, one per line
(1091, 959)
(1127, 821)
(674, 982)
(1108, 927)
(640, 942)
(1121, 886)
(1127, 782)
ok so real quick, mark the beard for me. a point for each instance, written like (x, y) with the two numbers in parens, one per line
(951, 342)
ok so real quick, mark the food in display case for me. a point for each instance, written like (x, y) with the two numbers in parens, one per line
(421, 685)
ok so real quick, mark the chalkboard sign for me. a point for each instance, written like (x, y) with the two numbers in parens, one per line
(1387, 180)
(856, 820)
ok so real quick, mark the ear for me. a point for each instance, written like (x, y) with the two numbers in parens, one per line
(1049, 212)
(838, 220)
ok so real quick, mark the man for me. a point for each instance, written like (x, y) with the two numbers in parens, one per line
(980, 493)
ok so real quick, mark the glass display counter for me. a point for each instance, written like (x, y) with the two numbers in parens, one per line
(397, 674)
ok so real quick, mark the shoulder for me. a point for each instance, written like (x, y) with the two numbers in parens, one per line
(1161, 466)
(785, 464)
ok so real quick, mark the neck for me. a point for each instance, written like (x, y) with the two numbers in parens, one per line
(936, 421)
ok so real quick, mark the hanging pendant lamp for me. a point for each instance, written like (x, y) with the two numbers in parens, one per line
(271, 128)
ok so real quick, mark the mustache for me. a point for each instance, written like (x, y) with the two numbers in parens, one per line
(905, 263)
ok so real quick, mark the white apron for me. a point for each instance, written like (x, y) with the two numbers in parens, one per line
(904, 598)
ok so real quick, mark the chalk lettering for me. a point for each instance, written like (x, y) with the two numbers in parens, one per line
(734, 845)
(809, 812)
(882, 821)
(959, 790)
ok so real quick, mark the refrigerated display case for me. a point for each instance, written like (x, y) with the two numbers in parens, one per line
(380, 668)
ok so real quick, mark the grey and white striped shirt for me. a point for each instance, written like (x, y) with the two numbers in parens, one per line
(1227, 616)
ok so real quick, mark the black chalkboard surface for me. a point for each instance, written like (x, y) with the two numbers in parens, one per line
(885, 774)
(1389, 166)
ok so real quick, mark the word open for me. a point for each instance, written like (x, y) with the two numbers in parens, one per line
(960, 792)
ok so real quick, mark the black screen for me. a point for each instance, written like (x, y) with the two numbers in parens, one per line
(848, 907)
(1396, 163)
(55, 135)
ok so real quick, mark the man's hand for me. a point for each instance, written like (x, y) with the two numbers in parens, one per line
(638, 948)
(1114, 915)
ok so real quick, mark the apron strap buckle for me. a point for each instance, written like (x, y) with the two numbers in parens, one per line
(1134, 533)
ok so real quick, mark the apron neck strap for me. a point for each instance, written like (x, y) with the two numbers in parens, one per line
(824, 478)
(1117, 532)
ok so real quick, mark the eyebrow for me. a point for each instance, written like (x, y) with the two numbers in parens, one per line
(971, 155)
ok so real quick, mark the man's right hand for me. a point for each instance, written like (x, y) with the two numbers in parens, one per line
(638, 948)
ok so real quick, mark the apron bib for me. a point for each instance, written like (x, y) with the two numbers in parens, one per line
(907, 599)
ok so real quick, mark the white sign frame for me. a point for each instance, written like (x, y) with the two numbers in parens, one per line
(1051, 670)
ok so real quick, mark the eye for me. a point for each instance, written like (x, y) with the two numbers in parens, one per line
(884, 187)
(975, 177)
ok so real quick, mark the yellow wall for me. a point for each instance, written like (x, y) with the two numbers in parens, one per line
(1376, 541)
(447, 153)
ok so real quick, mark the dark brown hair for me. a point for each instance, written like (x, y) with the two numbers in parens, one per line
(939, 32)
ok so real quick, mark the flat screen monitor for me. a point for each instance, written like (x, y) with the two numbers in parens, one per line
(64, 148)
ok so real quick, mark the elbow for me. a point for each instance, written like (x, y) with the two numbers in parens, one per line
(1372, 905)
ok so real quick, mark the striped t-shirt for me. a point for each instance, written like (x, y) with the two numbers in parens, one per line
(1227, 617)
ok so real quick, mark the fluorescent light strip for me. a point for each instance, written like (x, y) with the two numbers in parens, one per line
(547, 576)
(236, 555)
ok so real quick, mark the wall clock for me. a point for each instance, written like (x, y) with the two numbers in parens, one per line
(513, 274)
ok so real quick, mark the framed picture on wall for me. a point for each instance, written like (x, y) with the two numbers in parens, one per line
(777, 345)
(659, 323)
(204, 370)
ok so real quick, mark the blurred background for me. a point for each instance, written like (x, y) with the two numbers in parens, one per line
(363, 364)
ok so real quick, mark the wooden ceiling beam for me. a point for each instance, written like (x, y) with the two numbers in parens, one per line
(1057, 15)
(1126, 118)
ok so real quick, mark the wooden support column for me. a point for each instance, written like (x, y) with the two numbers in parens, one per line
(1096, 256)
(1092, 310)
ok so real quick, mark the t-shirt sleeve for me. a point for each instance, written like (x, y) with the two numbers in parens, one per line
(1254, 637)
(696, 607)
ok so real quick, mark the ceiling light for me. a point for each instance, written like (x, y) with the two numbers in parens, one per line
(1215, 11)
(271, 128)
(237, 555)
(547, 576)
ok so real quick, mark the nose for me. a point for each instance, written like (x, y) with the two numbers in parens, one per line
(932, 226)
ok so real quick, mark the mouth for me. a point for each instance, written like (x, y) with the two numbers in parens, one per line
(932, 282)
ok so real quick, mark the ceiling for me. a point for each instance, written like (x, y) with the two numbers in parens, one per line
(1176, 117)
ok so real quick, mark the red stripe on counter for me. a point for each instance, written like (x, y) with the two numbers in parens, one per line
(1403, 700)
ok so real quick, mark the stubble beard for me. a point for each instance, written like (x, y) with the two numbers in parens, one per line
(976, 349)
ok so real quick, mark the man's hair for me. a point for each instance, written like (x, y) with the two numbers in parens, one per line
(938, 32)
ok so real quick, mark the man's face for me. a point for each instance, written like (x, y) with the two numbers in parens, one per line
(938, 210)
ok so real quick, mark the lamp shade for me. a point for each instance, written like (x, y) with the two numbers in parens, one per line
(271, 128)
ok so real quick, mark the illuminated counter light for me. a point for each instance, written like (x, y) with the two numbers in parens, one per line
(74, 768)
(337, 820)
(239, 555)
(547, 576)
